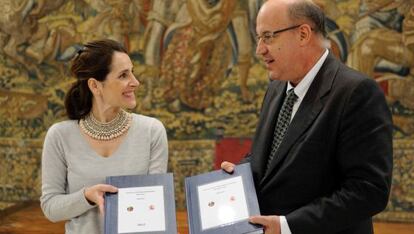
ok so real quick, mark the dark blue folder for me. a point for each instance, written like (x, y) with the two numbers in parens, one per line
(111, 199)
(193, 207)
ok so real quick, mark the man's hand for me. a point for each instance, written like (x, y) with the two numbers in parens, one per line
(95, 194)
(227, 166)
(271, 224)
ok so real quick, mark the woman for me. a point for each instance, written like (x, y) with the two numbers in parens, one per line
(101, 139)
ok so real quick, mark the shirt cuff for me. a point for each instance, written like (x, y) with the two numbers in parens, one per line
(284, 226)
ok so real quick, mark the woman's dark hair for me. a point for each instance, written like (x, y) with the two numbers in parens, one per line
(92, 61)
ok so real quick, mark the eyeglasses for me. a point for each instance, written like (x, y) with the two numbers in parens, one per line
(267, 37)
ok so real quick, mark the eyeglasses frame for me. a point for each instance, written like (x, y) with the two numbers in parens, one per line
(274, 33)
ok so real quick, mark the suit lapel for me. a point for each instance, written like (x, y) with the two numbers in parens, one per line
(308, 110)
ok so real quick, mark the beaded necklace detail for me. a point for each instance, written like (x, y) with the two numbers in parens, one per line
(106, 131)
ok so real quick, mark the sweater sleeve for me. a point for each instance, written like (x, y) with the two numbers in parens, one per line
(56, 204)
(159, 149)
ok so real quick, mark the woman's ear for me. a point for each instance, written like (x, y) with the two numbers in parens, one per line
(95, 86)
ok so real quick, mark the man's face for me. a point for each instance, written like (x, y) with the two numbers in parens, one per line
(277, 50)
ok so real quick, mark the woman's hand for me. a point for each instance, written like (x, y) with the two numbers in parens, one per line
(95, 194)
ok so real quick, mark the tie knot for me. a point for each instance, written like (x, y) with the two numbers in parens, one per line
(291, 97)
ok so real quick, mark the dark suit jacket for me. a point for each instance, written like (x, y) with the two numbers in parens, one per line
(332, 171)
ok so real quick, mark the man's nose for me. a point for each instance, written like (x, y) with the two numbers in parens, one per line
(260, 48)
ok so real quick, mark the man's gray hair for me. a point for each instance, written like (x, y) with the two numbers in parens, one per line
(309, 11)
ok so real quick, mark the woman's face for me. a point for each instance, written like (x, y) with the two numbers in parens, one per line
(118, 89)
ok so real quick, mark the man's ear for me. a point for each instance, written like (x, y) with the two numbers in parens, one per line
(305, 34)
(95, 86)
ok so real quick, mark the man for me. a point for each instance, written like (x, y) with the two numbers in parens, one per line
(324, 164)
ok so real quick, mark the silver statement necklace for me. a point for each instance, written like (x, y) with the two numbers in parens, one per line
(106, 131)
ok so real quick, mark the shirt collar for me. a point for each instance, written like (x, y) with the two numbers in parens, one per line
(304, 84)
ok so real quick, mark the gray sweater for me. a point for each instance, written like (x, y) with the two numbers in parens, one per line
(69, 165)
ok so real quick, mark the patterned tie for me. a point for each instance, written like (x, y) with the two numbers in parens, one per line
(283, 121)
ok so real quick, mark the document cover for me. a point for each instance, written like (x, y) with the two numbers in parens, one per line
(219, 202)
(143, 204)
